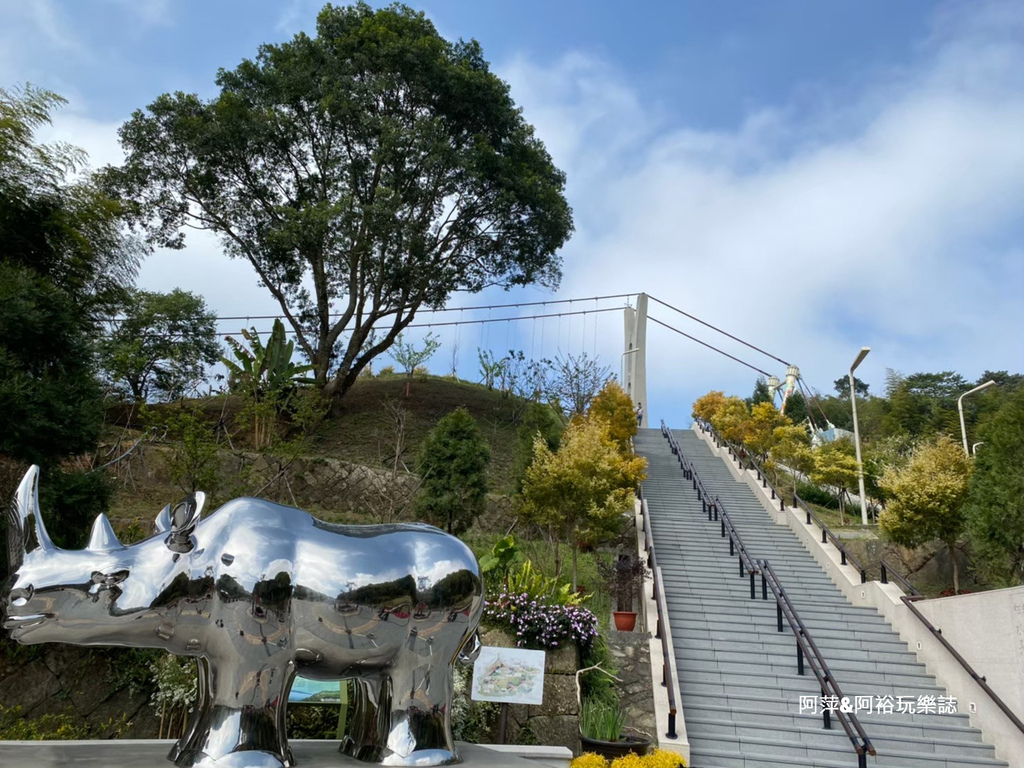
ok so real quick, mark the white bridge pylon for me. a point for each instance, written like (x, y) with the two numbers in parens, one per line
(633, 364)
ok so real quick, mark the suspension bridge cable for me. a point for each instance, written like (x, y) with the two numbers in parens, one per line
(709, 346)
(719, 330)
(248, 318)
(442, 324)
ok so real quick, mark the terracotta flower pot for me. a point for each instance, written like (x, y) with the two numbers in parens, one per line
(625, 621)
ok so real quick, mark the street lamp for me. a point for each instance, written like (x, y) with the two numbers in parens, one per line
(960, 407)
(856, 437)
(622, 369)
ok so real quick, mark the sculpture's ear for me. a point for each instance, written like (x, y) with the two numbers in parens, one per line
(183, 518)
(163, 520)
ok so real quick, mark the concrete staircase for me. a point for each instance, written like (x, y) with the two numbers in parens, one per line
(739, 687)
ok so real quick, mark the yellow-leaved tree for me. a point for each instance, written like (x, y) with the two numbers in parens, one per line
(707, 406)
(927, 497)
(732, 420)
(582, 491)
(792, 448)
(760, 429)
(615, 407)
(836, 467)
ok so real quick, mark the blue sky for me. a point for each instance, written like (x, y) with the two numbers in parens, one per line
(813, 177)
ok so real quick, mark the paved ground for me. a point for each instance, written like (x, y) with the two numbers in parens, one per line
(153, 754)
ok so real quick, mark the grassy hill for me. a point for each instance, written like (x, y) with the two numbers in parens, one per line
(360, 428)
(367, 427)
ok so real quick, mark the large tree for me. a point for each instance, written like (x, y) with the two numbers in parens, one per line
(162, 346)
(996, 502)
(64, 262)
(364, 173)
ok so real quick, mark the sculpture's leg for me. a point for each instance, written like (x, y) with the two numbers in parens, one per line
(202, 703)
(243, 721)
(364, 738)
(419, 691)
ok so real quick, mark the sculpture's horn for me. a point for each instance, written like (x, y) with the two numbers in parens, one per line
(103, 536)
(28, 531)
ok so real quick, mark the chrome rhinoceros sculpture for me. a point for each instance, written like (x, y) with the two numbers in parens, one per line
(260, 592)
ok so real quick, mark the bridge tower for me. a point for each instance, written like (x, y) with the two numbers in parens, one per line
(633, 365)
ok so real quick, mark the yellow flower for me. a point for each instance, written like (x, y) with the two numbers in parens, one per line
(630, 760)
(663, 758)
(589, 760)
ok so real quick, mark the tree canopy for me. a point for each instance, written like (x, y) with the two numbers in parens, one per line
(162, 346)
(64, 262)
(580, 492)
(996, 501)
(453, 463)
(927, 497)
(364, 173)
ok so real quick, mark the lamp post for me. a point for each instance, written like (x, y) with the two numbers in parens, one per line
(856, 437)
(960, 407)
(622, 369)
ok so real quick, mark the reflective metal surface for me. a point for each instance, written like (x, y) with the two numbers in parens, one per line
(259, 592)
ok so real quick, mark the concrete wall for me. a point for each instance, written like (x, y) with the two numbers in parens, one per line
(987, 628)
(982, 622)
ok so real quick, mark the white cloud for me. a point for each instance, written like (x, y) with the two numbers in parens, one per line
(885, 222)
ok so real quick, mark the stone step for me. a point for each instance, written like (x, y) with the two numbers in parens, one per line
(888, 742)
(929, 726)
(726, 752)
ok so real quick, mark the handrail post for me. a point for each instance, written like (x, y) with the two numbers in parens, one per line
(799, 659)
(753, 592)
(825, 713)
(778, 613)
(764, 587)
(885, 575)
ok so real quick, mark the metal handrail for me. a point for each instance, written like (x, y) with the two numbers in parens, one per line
(669, 675)
(827, 535)
(886, 573)
(808, 649)
(747, 564)
(715, 510)
(763, 477)
(979, 679)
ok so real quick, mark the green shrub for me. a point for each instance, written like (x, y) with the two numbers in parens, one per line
(812, 494)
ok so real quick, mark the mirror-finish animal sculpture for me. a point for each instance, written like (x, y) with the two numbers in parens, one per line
(260, 592)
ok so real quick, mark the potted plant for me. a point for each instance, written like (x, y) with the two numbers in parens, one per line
(603, 731)
(625, 578)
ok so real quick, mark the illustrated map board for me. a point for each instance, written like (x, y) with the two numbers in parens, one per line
(306, 691)
(509, 675)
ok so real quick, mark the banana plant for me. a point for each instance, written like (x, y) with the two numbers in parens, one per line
(266, 374)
